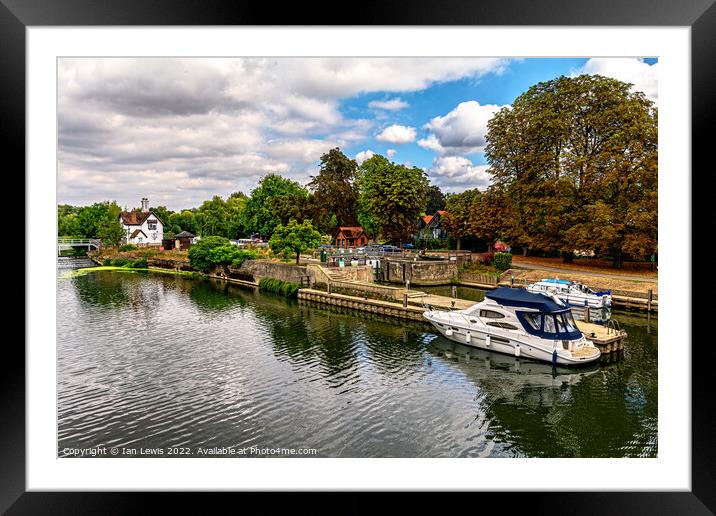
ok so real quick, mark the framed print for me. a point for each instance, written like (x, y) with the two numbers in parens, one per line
(416, 255)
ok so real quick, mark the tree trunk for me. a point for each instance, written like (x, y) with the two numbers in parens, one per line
(298, 257)
(524, 251)
(567, 257)
(617, 262)
(457, 245)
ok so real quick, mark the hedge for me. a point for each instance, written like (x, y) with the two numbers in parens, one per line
(276, 286)
(502, 261)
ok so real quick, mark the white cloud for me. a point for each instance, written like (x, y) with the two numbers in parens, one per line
(457, 173)
(391, 153)
(364, 155)
(184, 129)
(395, 104)
(461, 131)
(642, 75)
(397, 134)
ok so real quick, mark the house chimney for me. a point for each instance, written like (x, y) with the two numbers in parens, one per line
(145, 204)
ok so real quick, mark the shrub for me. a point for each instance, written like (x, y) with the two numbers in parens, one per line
(276, 286)
(139, 264)
(127, 247)
(121, 262)
(502, 261)
(107, 262)
(242, 256)
(484, 258)
(200, 253)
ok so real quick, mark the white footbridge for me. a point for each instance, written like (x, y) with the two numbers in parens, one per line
(71, 243)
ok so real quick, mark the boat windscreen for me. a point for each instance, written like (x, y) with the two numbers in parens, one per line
(557, 326)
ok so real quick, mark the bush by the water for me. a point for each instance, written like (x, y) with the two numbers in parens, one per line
(276, 286)
(139, 264)
(127, 247)
(210, 251)
(242, 256)
(121, 262)
(502, 261)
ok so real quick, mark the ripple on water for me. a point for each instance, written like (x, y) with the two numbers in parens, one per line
(160, 361)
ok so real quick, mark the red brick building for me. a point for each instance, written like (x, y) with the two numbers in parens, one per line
(350, 237)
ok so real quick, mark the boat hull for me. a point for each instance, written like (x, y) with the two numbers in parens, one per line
(509, 346)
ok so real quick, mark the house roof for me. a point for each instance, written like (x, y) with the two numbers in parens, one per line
(184, 234)
(136, 232)
(350, 231)
(135, 217)
(427, 218)
(441, 212)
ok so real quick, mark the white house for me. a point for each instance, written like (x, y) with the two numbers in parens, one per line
(142, 226)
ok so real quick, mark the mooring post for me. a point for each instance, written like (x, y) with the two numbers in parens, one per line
(329, 288)
(405, 299)
(648, 304)
(512, 281)
(586, 311)
(454, 291)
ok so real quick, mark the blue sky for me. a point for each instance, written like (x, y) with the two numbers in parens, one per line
(182, 130)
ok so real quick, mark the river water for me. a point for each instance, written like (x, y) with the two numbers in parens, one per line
(152, 361)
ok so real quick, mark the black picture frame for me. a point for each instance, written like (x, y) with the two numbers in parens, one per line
(17, 15)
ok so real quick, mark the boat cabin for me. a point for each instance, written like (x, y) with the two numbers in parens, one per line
(540, 315)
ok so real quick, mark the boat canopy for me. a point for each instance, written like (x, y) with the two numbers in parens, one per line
(559, 281)
(521, 298)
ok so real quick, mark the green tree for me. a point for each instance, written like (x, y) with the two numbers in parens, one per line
(489, 217)
(266, 204)
(200, 254)
(162, 212)
(89, 219)
(436, 200)
(185, 221)
(110, 231)
(214, 219)
(235, 205)
(392, 197)
(571, 155)
(335, 193)
(294, 238)
(458, 208)
(67, 220)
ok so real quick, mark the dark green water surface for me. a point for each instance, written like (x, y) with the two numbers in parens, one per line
(153, 361)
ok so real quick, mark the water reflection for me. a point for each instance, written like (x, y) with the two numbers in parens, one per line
(165, 360)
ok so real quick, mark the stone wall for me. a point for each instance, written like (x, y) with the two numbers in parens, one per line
(180, 265)
(283, 271)
(433, 272)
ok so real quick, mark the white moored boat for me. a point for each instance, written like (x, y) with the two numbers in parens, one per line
(518, 323)
(577, 296)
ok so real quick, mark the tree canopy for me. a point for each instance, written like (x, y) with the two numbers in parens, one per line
(577, 159)
(392, 197)
(274, 198)
(335, 193)
(294, 238)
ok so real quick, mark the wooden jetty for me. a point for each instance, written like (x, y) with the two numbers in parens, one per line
(608, 338)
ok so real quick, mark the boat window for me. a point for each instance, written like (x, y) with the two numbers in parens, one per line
(561, 325)
(569, 319)
(534, 320)
(549, 324)
(504, 325)
(491, 314)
